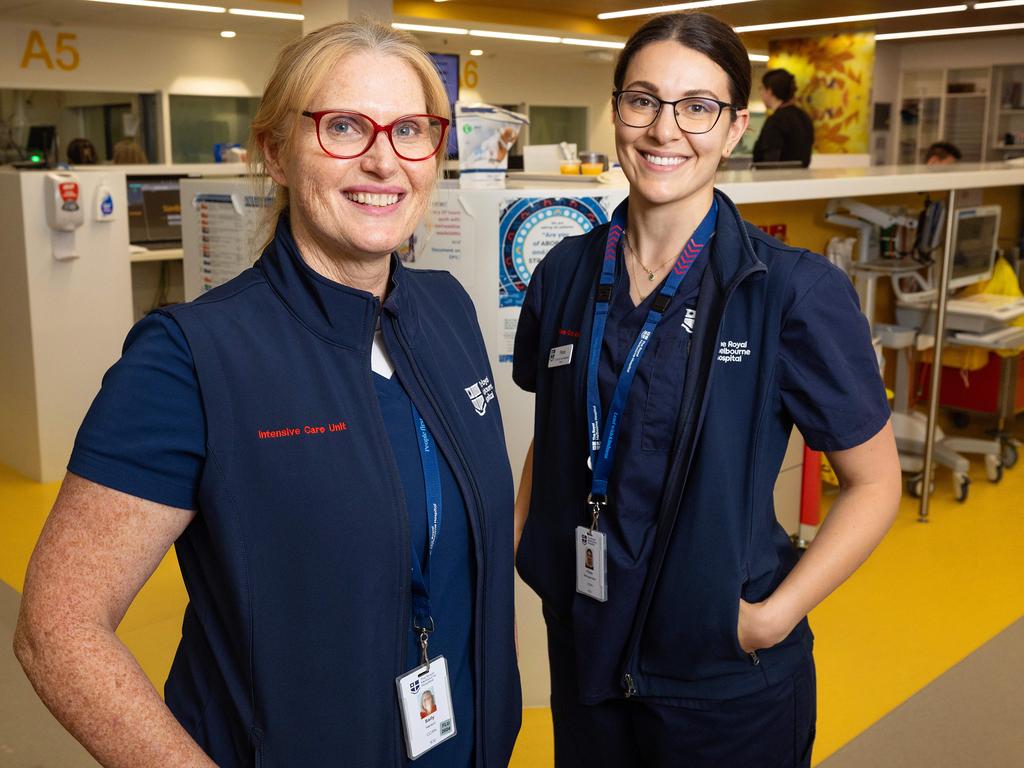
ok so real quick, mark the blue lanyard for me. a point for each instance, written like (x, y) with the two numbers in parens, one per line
(421, 616)
(604, 441)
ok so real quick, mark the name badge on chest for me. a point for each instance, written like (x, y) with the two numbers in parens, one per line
(591, 564)
(425, 698)
(559, 356)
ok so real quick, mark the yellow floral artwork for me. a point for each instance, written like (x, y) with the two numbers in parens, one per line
(833, 78)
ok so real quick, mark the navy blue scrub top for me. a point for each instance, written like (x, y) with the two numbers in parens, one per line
(641, 459)
(145, 435)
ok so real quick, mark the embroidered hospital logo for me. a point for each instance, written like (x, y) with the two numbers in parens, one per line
(689, 319)
(733, 351)
(480, 394)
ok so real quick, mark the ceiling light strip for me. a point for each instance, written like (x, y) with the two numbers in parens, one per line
(166, 5)
(514, 36)
(998, 4)
(267, 14)
(951, 31)
(855, 18)
(592, 43)
(668, 8)
(430, 28)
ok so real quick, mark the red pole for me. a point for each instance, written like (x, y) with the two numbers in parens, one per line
(810, 490)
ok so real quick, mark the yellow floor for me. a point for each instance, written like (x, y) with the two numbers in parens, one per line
(928, 597)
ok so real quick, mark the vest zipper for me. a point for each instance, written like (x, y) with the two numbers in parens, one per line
(662, 550)
(628, 685)
(478, 530)
(405, 549)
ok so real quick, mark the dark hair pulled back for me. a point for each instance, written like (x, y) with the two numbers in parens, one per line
(700, 32)
(781, 83)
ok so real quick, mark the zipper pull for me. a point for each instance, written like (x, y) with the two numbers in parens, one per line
(627, 684)
(753, 657)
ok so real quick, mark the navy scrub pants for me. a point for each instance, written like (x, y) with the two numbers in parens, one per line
(772, 728)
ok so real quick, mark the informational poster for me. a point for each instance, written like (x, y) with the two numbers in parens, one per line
(528, 228)
(228, 228)
(444, 239)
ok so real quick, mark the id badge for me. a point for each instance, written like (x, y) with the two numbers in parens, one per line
(425, 700)
(559, 356)
(591, 564)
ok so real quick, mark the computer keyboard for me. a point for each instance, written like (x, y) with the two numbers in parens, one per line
(989, 305)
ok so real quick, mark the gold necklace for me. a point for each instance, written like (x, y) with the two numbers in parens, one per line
(636, 255)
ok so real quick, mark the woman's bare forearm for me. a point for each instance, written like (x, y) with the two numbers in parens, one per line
(92, 684)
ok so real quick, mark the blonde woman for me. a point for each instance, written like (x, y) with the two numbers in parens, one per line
(340, 508)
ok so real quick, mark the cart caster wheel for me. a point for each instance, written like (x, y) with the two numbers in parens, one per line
(1009, 454)
(961, 485)
(960, 419)
(993, 468)
(915, 486)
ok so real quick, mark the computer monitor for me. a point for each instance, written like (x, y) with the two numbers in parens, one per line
(154, 211)
(975, 236)
(41, 139)
(448, 68)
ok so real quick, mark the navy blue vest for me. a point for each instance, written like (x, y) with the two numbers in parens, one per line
(297, 565)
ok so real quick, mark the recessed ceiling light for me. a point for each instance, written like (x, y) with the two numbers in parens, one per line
(430, 28)
(476, 52)
(228, 33)
(667, 8)
(951, 31)
(515, 36)
(267, 14)
(857, 17)
(757, 56)
(168, 6)
(593, 43)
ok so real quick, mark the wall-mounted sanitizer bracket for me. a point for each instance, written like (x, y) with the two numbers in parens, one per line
(64, 213)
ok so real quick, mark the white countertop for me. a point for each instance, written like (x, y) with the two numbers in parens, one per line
(768, 186)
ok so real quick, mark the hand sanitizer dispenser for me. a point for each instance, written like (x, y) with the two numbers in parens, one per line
(104, 202)
(64, 213)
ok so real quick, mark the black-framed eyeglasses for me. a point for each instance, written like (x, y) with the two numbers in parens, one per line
(346, 135)
(694, 114)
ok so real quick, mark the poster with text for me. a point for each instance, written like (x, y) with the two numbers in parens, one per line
(528, 228)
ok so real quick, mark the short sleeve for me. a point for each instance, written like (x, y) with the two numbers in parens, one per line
(145, 433)
(524, 358)
(829, 378)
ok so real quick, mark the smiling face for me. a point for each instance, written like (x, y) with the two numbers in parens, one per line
(664, 165)
(364, 207)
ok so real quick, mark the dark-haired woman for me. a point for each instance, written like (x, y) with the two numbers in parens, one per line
(788, 133)
(671, 353)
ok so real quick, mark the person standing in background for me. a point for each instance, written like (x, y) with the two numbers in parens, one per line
(81, 152)
(942, 153)
(788, 133)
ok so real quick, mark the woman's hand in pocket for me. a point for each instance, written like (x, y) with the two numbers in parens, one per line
(759, 626)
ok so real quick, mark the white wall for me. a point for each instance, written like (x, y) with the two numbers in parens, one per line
(65, 323)
(19, 438)
(141, 61)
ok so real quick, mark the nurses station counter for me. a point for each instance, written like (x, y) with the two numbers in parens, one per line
(491, 240)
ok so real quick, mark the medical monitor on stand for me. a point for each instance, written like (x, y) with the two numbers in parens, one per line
(975, 237)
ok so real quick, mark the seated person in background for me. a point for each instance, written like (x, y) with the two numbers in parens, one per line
(128, 152)
(942, 153)
(81, 152)
(788, 133)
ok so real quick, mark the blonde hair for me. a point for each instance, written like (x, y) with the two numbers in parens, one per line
(302, 68)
